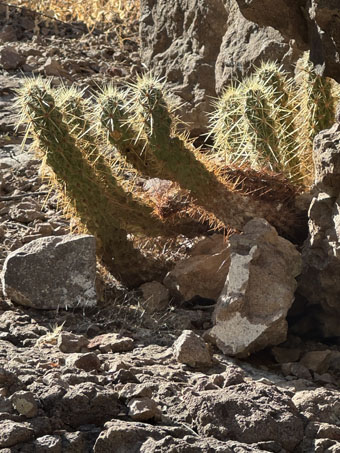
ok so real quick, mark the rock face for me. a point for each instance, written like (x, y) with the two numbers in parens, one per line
(204, 273)
(181, 40)
(320, 282)
(313, 24)
(245, 44)
(200, 45)
(251, 312)
(52, 272)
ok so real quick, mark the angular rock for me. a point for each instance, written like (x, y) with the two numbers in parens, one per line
(25, 403)
(319, 405)
(87, 362)
(320, 282)
(10, 59)
(251, 312)
(317, 361)
(47, 444)
(269, 415)
(191, 349)
(13, 433)
(26, 211)
(52, 272)
(111, 342)
(156, 296)
(69, 342)
(204, 273)
(143, 409)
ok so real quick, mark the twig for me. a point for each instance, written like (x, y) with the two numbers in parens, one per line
(23, 195)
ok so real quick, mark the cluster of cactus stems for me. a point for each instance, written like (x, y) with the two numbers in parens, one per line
(138, 125)
(269, 120)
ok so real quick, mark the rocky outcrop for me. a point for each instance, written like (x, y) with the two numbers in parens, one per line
(201, 45)
(312, 24)
(320, 282)
(251, 312)
(52, 272)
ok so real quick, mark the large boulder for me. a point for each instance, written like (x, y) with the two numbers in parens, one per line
(199, 46)
(312, 24)
(52, 272)
(320, 282)
(251, 311)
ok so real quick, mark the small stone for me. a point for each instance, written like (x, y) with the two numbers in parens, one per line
(156, 296)
(69, 342)
(52, 67)
(87, 362)
(26, 212)
(143, 409)
(317, 361)
(10, 59)
(191, 349)
(111, 342)
(296, 369)
(131, 390)
(25, 403)
(13, 433)
(48, 443)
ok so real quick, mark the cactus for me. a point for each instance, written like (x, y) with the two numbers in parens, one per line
(98, 212)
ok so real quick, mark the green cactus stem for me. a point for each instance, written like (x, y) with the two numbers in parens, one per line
(87, 194)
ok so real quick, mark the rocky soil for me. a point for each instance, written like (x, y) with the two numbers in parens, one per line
(117, 378)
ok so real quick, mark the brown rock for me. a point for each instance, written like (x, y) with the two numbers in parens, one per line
(69, 342)
(191, 349)
(156, 297)
(317, 361)
(10, 59)
(87, 362)
(204, 273)
(143, 409)
(12, 433)
(251, 312)
(111, 342)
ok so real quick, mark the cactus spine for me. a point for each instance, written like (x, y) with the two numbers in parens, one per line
(86, 192)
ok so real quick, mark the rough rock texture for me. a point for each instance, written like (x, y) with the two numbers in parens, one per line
(52, 272)
(191, 349)
(156, 296)
(251, 312)
(313, 24)
(200, 45)
(216, 413)
(245, 44)
(181, 40)
(204, 273)
(320, 282)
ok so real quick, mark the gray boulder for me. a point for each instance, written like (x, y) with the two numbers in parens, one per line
(251, 311)
(320, 282)
(52, 272)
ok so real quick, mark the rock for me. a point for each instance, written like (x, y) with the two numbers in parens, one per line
(52, 67)
(26, 211)
(319, 405)
(73, 442)
(8, 34)
(317, 361)
(46, 444)
(313, 25)
(10, 59)
(87, 362)
(319, 282)
(156, 297)
(111, 342)
(143, 409)
(296, 369)
(251, 312)
(269, 415)
(69, 342)
(191, 349)
(52, 272)
(245, 45)
(180, 39)
(13, 433)
(204, 273)
(283, 355)
(25, 403)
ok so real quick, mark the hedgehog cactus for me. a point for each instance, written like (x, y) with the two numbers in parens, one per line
(96, 210)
